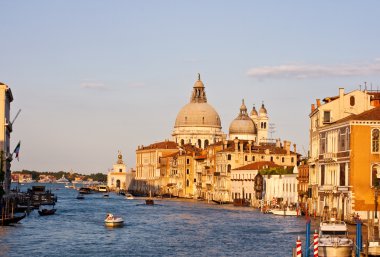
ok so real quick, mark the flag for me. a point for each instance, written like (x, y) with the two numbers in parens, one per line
(17, 150)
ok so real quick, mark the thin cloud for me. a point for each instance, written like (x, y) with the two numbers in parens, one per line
(136, 85)
(303, 71)
(93, 85)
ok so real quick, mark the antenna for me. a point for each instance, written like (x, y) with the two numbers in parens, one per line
(16, 116)
(272, 129)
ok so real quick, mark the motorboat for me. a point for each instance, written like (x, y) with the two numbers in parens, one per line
(80, 196)
(113, 221)
(129, 196)
(102, 188)
(283, 212)
(334, 240)
(105, 195)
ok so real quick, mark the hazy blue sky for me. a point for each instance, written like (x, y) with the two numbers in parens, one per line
(94, 77)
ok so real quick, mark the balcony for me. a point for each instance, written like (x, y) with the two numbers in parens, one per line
(329, 157)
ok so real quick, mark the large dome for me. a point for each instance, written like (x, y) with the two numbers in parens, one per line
(243, 124)
(198, 115)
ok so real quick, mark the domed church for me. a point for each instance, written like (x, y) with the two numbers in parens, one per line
(243, 127)
(253, 127)
(197, 123)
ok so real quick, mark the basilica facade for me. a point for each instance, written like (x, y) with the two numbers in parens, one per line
(198, 160)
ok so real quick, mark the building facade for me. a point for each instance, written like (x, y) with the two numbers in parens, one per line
(333, 178)
(117, 177)
(6, 98)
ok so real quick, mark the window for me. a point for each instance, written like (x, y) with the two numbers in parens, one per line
(229, 157)
(187, 161)
(229, 168)
(342, 174)
(375, 140)
(271, 158)
(199, 143)
(120, 170)
(187, 171)
(322, 142)
(283, 159)
(326, 117)
(292, 159)
(246, 158)
(352, 100)
(195, 180)
(375, 176)
(253, 158)
(206, 143)
(187, 183)
(182, 142)
(322, 175)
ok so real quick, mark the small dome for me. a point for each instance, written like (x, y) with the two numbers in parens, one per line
(253, 112)
(263, 110)
(243, 124)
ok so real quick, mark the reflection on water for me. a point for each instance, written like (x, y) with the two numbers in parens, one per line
(171, 228)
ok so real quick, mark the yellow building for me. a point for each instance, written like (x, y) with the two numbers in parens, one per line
(341, 157)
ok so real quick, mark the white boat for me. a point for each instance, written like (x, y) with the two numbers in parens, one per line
(102, 188)
(284, 212)
(63, 180)
(334, 240)
(129, 196)
(113, 221)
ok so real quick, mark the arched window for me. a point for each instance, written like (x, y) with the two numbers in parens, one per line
(265, 125)
(352, 100)
(206, 143)
(253, 158)
(229, 168)
(271, 158)
(187, 183)
(199, 143)
(375, 140)
(246, 158)
(182, 142)
(229, 157)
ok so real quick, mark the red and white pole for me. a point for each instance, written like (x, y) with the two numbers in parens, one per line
(315, 243)
(299, 247)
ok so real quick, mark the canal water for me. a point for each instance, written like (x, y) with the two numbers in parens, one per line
(169, 228)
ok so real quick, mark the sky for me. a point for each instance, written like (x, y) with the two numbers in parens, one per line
(93, 77)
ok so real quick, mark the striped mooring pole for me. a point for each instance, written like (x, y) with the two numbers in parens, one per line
(315, 243)
(299, 247)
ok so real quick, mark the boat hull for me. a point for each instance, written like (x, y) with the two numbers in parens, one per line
(335, 251)
(284, 212)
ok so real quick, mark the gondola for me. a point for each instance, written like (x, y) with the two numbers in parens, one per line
(11, 220)
(46, 212)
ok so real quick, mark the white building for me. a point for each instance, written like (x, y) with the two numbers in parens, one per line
(117, 177)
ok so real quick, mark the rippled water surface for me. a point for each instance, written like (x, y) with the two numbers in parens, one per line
(169, 228)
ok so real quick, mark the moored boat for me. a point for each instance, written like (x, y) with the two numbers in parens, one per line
(129, 196)
(284, 212)
(5, 221)
(46, 212)
(113, 221)
(334, 240)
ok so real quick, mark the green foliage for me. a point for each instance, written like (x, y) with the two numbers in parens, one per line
(70, 176)
(276, 171)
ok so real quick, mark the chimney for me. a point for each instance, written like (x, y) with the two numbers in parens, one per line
(287, 146)
(341, 92)
(278, 142)
(318, 102)
(312, 107)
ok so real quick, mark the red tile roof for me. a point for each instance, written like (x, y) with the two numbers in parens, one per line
(161, 145)
(258, 166)
(373, 114)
